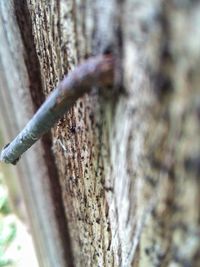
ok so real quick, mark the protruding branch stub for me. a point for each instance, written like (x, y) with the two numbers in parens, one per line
(97, 71)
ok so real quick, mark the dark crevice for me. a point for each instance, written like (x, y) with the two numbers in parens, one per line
(35, 86)
(74, 15)
(30, 56)
(162, 80)
(119, 79)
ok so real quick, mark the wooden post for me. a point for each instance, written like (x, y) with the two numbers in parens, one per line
(118, 182)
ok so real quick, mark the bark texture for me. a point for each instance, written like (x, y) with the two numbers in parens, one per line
(128, 159)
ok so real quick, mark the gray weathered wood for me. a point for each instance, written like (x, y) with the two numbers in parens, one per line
(128, 162)
(33, 171)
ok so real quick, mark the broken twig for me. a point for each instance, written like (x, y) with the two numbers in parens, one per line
(95, 71)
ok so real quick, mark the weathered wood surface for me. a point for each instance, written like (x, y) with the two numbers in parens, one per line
(19, 77)
(128, 162)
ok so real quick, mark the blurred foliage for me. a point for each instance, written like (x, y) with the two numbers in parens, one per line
(7, 228)
(16, 248)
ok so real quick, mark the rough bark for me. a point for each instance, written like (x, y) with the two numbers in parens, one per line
(128, 159)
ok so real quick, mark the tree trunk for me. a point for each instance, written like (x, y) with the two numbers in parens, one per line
(126, 161)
